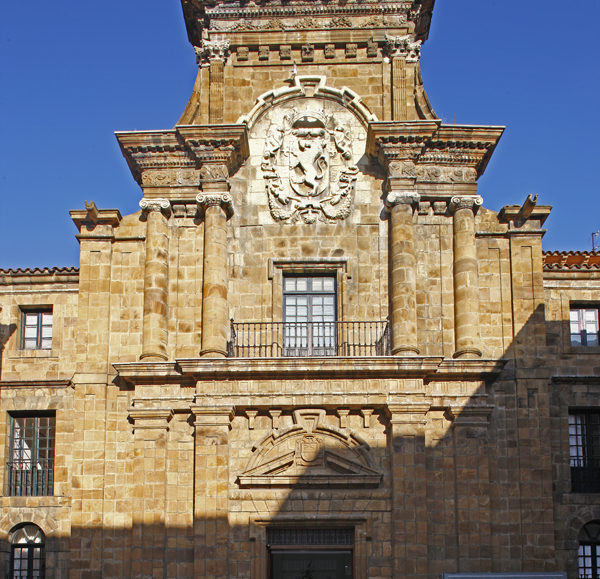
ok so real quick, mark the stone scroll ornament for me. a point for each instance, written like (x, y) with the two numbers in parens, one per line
(307, 168)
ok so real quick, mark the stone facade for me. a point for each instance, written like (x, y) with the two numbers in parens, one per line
(429, 415)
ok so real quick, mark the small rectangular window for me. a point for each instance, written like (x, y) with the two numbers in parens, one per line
(36, 329)
(31, 455)
(584, 451)
(584, 325)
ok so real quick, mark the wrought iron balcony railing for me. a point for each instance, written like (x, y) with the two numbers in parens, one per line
(302, 339)
(30, 479)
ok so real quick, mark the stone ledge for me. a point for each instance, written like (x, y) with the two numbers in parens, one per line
(420, 367)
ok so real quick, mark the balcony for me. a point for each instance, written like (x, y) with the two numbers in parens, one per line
(309, 339)
(29, 479)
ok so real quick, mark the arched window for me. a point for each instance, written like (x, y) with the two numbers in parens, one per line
(27, 559)
(589, 551)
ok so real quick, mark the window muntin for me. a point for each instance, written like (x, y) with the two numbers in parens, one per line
(31, 455)
(36, 331)
(589, 551)
(27, 557)
(309, 315)
(584, 450)
(584, 325)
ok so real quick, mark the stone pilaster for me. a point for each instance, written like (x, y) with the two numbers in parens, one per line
(217, 207)
(211, 491)
(403, 275)
(466, 285)
(149, 493)
(156, 277)
(473, 489)
(409, 489)
(214, 54)
(404, 53)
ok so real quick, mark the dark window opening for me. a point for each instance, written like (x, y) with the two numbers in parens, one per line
(304, 553)
(584, 451)
(31, 455)
(27, 557)
(589, 551)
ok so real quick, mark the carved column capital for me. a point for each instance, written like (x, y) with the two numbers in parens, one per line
(401, 198)
(403, 46)
(223, 200)
(472, 202)
(211, 51)
(160, 205)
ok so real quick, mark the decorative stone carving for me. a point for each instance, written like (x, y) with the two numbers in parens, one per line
(329, 50)
(310, 454)
(285, 52)
(472, 202)
(307, 166)
(212, 50)
(214, 172)
(351, 50)
(446, 174)
(170, 177)
(372, 49)
(308, 52)
(404, 47)
(159, 205)
(401, 198)
(242, 53)
(224, 199)
(263, 52)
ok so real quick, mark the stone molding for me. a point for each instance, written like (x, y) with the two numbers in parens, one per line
(403, 47)
(473, 202)
(223, 200)
(212, 51)
(305, 86)
(436, 150)
(184, 150)
(159, 205)
(203, 18)
(150, 418)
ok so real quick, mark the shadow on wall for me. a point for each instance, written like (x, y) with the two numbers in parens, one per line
(452, 490)
(6, 331)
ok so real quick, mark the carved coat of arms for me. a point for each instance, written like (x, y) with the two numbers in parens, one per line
(307, 168)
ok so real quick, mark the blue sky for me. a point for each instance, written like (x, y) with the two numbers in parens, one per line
(74, 72)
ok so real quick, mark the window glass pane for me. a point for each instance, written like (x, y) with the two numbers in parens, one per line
(301, 284)
(47, 318)
(317, 284)
(289, 284)
(328, 284)
(30, 332)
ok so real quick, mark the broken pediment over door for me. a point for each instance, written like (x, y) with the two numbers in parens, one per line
(310, 454)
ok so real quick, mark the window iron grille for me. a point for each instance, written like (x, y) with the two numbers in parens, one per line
(30, 468)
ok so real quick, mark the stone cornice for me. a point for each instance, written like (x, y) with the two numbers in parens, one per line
(185, 147)
(429, 143)
(209, 15)
(36, 384)
(39, 275)
(425, 368)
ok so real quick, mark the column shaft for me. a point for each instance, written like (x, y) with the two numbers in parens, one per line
(156, 278)
(214, 292)
(403, 279)
(466, 284)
